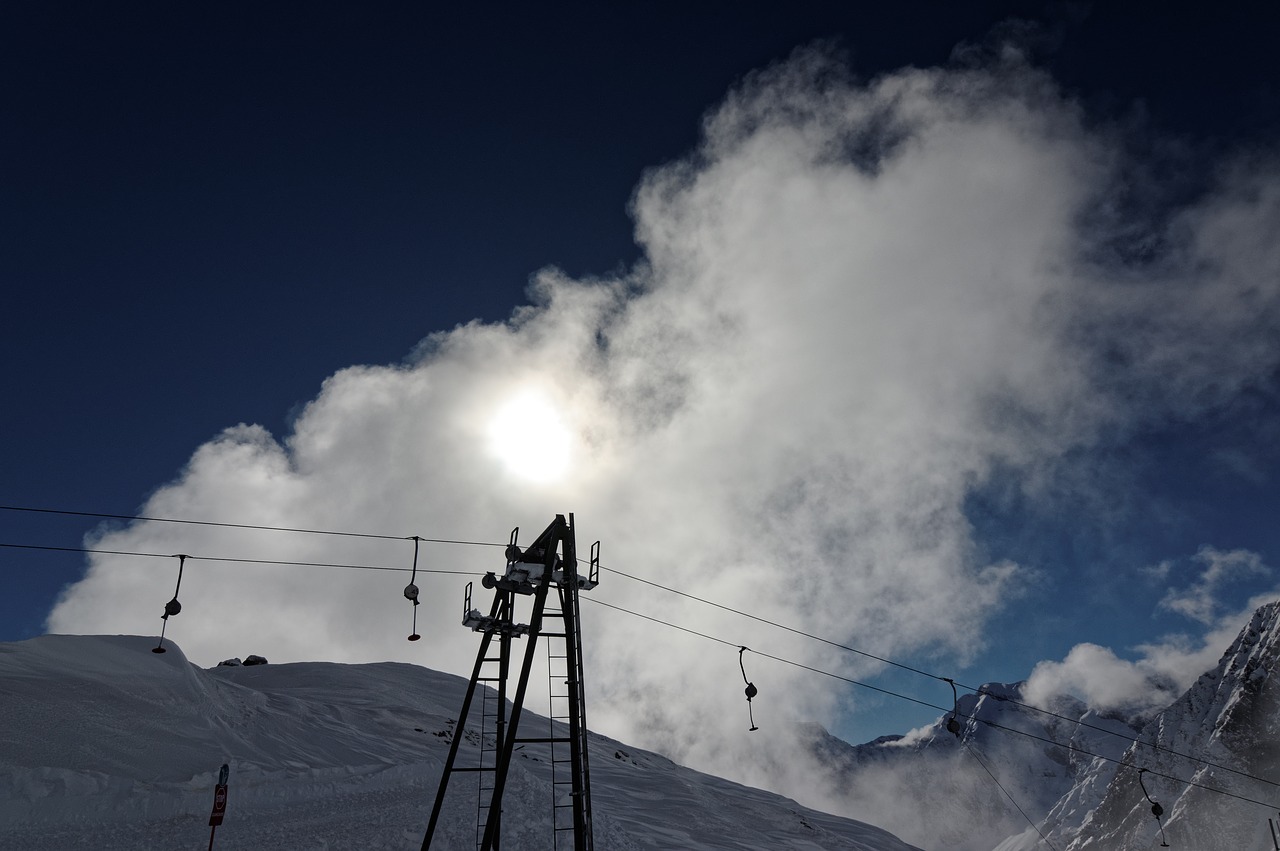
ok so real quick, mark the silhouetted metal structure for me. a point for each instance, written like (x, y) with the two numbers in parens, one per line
(549, 563)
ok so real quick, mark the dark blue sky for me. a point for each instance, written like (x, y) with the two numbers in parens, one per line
(205, 211)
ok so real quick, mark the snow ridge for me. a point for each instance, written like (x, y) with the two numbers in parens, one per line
(109, 746)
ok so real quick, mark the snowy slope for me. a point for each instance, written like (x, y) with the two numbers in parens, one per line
(106, 745)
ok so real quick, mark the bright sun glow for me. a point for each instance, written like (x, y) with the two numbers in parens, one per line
(528, 435)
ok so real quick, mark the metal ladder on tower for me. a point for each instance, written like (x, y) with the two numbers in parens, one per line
(570, 773)
(493, 700)
(498, 623)
(558, 715)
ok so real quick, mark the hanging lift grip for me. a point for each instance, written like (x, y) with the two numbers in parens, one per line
(953, 726)
(1156, 809)
(411, 590)
(172, 607)
(750, 690)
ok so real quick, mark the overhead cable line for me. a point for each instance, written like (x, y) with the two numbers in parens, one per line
(703, 635)
(241, 560)
(973, 753)
(989, 723)
(141, 517)
(979, 690)
(735, 645)
(781, 626)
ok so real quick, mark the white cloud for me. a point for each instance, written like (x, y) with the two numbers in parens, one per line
(1103, 680)
(857, 300)
(1199, 600)
(1165, 668)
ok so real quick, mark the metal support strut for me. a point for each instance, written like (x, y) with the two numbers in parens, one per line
(551, 561)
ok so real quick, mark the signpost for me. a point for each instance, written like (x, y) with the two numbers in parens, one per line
(219, 803)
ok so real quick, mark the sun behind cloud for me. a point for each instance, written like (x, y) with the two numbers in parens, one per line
(530, 438)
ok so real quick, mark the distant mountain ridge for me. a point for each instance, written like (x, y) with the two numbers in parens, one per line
(1230, 717)
(946, 775)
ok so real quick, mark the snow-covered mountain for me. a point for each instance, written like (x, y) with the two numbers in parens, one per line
(943, 783)
(1012, 773)
(105, 745)
(1231, 718)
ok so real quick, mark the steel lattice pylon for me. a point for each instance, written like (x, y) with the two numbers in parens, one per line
(550, 562)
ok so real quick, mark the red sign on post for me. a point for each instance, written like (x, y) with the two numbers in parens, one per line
(219, 805)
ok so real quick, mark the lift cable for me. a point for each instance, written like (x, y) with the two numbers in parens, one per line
(762, 620)
(994, 724)
(243, 560)
(973, 753)
(704, 635)
(242, 526)
(735, 645)
(979, 690)
(741, 648)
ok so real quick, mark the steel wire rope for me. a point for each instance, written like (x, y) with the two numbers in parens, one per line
(149, 519)
(969, 750)
(230, 559)
(704, 635)
(709, 637)
(735, 645)
(992, 724)
(901, 665)
(979, 690)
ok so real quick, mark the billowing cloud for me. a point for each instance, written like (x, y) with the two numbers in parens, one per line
(1103, 680)
(1162, 669)
(857, 301)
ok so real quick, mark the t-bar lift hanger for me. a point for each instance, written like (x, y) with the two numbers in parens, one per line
(750, 690)
(953, 726)
(411, 590)
(1156, 809)
(172, 607)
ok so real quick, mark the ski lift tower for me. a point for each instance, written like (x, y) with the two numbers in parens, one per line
(550, 562)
